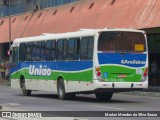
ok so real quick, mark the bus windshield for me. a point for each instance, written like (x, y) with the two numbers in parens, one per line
(115, 41)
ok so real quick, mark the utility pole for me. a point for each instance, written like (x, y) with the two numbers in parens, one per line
(10, 35)
(9, 11)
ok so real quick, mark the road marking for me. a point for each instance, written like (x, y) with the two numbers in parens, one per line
(108, 107)
(79, 119)
(13, 104)
(31, 98)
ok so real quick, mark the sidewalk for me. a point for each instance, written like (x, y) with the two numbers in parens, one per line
(151, 92)
(4, 82)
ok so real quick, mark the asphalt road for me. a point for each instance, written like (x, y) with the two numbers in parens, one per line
(47, 101)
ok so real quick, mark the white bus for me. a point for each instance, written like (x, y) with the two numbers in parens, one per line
(99, 61)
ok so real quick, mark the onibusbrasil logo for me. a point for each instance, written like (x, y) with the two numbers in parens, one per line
(39, 71)
(132, 62)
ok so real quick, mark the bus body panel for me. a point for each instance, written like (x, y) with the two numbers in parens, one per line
(75, 71)
(121, 60)
(81, 75)
(38, 77)
(117, 67)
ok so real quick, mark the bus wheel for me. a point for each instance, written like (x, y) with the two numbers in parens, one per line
(62, 93)
(104, 96)
(24, 90)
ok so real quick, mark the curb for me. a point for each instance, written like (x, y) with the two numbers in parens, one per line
(149, 94)
(5, 83)
(8, 84)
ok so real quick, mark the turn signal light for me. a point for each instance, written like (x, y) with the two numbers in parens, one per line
(97, 69)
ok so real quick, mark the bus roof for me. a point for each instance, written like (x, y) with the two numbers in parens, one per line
(80, 33)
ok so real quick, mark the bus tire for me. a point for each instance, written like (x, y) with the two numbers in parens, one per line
(24, 90)
(62, 93)
(104, 96)
(61, 90)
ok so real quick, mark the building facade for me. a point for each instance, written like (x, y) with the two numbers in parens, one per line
(18, 7)
(22, 6)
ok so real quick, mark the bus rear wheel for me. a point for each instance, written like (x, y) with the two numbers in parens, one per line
(104, 96)
(62, 93)
(24, 90)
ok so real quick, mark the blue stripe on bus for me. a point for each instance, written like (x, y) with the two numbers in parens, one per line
(61, 66)
(115, 58)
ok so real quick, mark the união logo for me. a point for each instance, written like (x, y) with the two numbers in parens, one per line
(39, 71)
(132, 62)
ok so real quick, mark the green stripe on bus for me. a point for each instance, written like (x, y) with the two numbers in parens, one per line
(116, 74)
(69, 76)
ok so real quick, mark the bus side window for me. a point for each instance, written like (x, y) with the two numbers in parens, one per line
(86, 48)
(29, 56)
(15, 56)
(39, 51)
(73, 49)
(61, 49)
(47, 50)
(90, 48)
(64, 49)
(33, 52)
(50, 50)
(22, 52)
(53, 50)
(42, 51)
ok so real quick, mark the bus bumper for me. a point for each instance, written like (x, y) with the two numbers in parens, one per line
(120, 86)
